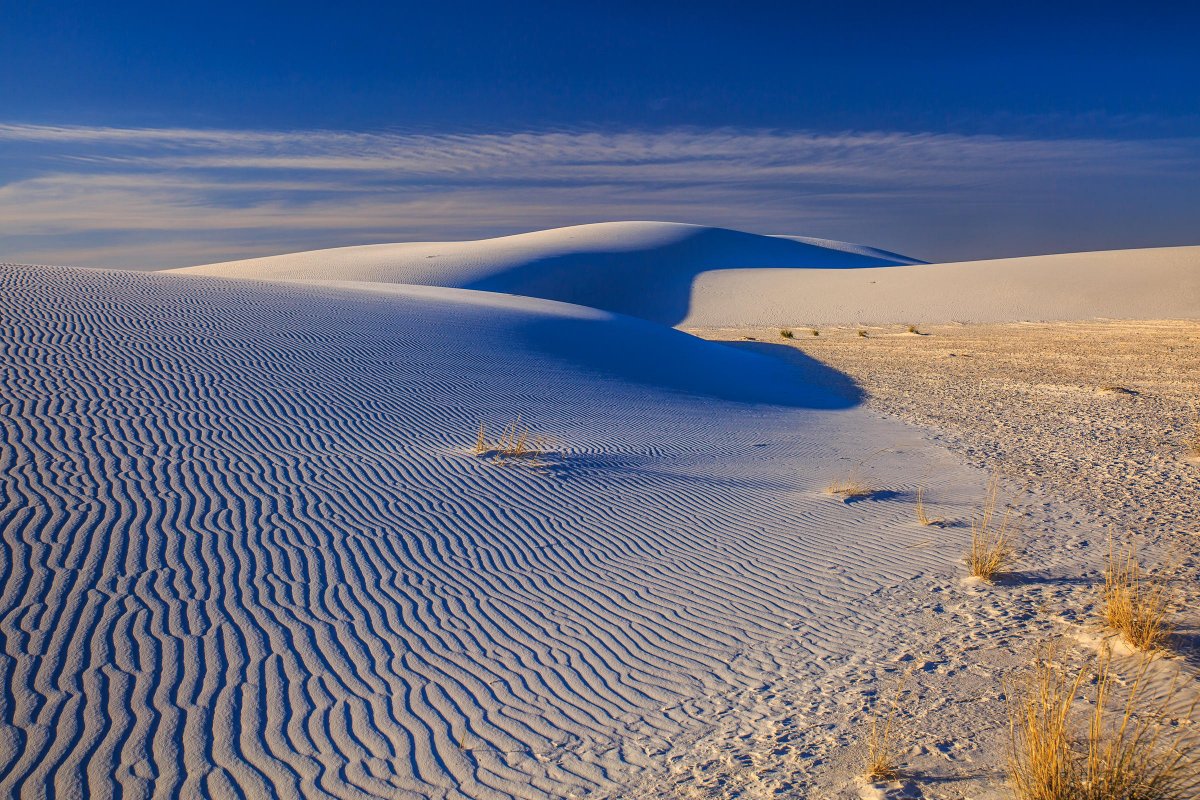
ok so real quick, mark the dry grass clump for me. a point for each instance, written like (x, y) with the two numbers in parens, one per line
(862, 333)
(516, 441)
(1136, 605)
(913, 329)
(852, 487)
(786, 333)
(882, 747)
(816, 332)
(1130, 754)
(991, 551)
(922, 517)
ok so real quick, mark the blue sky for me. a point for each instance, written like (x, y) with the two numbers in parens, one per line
(137, 134)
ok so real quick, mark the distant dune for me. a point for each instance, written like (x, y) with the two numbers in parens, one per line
(1157, 283)
(645, 269)
(695, 276)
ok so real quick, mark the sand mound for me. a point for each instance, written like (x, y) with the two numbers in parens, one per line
(1158, 283)
(696, 276)
(248, 552)
(645, 269)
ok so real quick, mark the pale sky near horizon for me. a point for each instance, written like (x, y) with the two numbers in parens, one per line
(152, 135)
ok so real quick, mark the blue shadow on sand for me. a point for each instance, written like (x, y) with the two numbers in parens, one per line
(656, 356)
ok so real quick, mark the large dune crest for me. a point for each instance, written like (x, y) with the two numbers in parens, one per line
(695, 276)
(644, 269)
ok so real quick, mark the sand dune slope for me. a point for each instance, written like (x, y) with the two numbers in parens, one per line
(645, 269)
(247, 551)
(1158, 283)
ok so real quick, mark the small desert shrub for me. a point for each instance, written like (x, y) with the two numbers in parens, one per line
(913, 329)
(786, 333)
(850, 488)
(923, 517)
(515, 440)
(991, 550)
(816, 332)
(882, 747)
(862, 333)
(1123, 755)
(1135, 605)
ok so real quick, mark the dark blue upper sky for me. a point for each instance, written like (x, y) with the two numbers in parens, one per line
(1023, 73)
(484, 65)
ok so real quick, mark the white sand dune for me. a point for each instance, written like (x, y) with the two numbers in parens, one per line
(694, 276)
(1156, 283)
(645, 269)
(247, 551)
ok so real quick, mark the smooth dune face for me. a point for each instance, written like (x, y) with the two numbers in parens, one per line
(693, 276)
(1158, 283)
(247, 551)
(644, 269)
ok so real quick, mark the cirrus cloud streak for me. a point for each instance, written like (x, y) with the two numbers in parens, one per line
(170, 197)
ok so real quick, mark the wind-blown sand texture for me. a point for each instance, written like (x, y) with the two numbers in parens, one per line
(249, 551)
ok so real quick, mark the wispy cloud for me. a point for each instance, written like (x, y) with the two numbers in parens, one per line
(168, 197)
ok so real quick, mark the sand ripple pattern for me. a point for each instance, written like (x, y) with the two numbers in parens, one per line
(245, 553)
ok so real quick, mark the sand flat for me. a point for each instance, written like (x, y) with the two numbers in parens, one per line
(1096, 411)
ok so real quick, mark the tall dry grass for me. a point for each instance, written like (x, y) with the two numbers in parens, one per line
(1132, 751)
(882, 753)
(991, 552)
(1136, 605)
(922, 516)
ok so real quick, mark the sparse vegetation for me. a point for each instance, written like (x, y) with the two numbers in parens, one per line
(1123, 755)
(786, 333)
(516, 441)
(882, 752)
(922, 516)
(862, 333)
(913, 329)
(816, 332)
(1136, 605)
(851, 488)
(991, 550)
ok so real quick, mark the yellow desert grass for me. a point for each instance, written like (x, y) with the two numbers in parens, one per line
(853, 486)
(922, 517)
(515, 441)
(850, 488)
(882, 746)
(991, 551)
(1128, 753)
(1136, 605)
